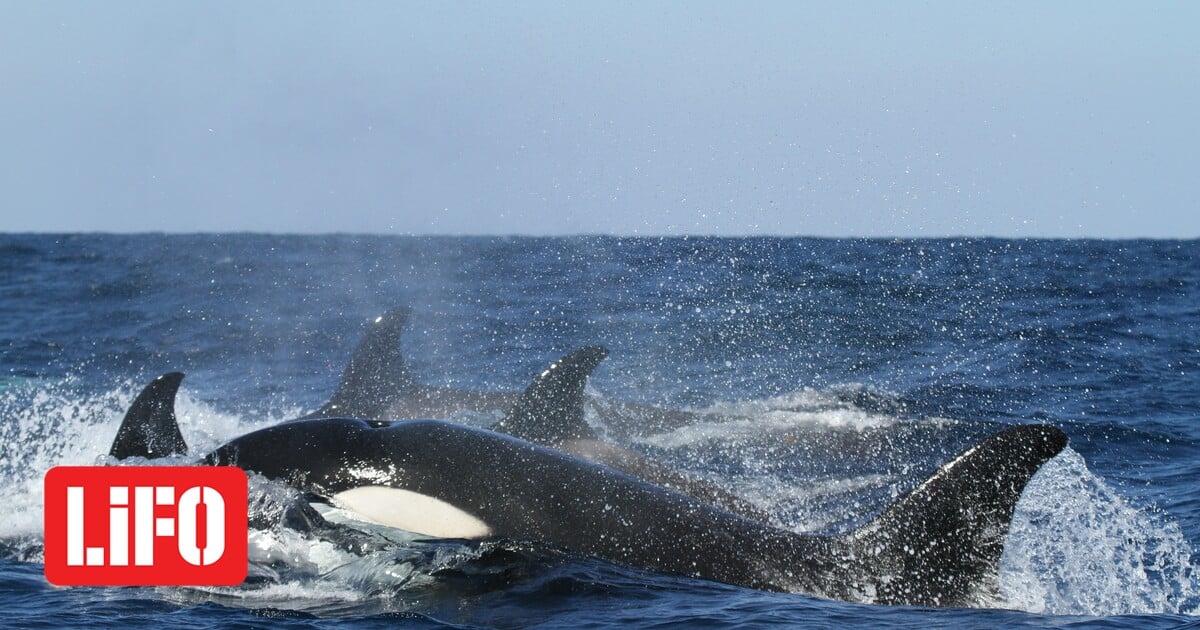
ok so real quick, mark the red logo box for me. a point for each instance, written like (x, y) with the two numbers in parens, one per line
(145, 526)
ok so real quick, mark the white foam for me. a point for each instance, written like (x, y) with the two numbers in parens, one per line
(304, 595)
(50, 424)
(805, 408)
(1076, 547)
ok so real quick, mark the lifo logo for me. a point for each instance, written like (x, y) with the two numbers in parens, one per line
(145, 526)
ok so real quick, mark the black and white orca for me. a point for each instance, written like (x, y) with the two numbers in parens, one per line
(549, 412)
(376, 384)
(937, 546)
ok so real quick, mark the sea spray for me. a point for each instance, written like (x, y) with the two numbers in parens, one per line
(49, 424)
(1078, 547)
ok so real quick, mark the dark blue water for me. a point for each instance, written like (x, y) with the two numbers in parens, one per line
(861, 365)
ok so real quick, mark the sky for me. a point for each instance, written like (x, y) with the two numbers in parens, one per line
(882, 119)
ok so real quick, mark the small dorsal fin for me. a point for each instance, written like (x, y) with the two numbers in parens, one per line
(550, 410)
(149, 429)
(376, 376)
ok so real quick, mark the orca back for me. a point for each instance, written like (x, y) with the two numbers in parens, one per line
(376, 377)
(941, 543)
(149, 428)
(550, 411)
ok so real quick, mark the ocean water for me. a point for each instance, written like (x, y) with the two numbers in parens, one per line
(855, 368)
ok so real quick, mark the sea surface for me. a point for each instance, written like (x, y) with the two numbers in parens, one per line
(855, 367)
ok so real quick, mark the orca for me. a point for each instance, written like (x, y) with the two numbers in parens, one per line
(549, 412)
(939, 545)
(149, 428)
(377, 384)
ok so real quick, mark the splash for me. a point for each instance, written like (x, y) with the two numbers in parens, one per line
(43, 425)
(339, 564)
(803, 409)
(819, 461)
(816, 506)
(1077, 547)
(362, 568)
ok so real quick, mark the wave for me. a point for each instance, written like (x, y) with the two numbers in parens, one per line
(802, 409)
(48, 424)
(1076, 545)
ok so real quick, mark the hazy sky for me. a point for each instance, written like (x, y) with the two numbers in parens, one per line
(833, 118)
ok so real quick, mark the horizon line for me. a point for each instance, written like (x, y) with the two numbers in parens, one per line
(571, 235)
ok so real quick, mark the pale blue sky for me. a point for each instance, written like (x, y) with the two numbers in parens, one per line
(831, 119)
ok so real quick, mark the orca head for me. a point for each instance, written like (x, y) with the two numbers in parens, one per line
(361, 466)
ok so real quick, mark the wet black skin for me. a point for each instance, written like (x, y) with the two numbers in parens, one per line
(376, 385)
(938, 546)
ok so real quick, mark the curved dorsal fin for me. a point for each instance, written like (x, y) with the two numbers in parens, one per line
(943, 540)
(149, 429)
(376, 376)
(550, 410)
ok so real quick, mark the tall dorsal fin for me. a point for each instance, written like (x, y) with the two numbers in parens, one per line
(149, 429)
(942, 542)
(376, 377)
(550, 410)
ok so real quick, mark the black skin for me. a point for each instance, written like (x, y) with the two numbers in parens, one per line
(376, 385)
(939, 546)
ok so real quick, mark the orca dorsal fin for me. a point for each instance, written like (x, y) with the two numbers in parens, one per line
(149, 429)
(376, 376)
(550, 411)
(941, 543)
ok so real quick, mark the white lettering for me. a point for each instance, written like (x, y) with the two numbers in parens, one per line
(214, 522)
(143, 526)
(74, 526)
